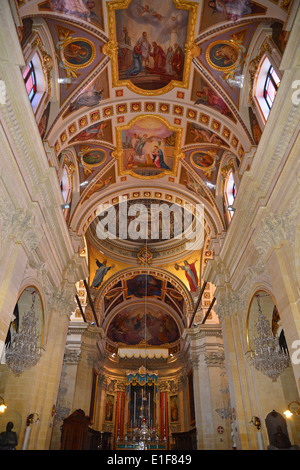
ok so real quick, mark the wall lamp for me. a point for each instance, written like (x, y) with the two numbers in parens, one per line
(2, 405)
(293, 409)
(30, 419)
(256, 422)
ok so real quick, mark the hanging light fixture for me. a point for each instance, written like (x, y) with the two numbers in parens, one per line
(267, 356)
(24, 352)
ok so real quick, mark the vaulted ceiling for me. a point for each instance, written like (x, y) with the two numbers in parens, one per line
(107, 96)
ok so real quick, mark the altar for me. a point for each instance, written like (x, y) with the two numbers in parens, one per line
(141, 414)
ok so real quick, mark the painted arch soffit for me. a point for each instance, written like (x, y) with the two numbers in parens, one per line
(189, 190)
(165, 279)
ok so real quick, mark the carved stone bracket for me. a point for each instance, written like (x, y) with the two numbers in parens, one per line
(215, 359)
(72, 357)
(272, 233)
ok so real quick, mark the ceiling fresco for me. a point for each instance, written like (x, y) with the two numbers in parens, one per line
(144, 106)
(132, 327)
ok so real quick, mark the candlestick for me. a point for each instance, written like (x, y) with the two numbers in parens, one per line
(134, 409)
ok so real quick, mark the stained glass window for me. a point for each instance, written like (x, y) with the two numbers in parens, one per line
(30, 81)
(271, 86)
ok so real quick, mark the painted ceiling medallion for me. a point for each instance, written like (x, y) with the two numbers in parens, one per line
(151, 46)
(92, 157)
(75, 53)
(226, 56)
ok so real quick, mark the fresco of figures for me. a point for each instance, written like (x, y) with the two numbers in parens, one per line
(148, 147)
(130, 327)
(151, 39)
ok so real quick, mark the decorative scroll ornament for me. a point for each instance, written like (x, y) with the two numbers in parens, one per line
(24, 352)
(267, 357)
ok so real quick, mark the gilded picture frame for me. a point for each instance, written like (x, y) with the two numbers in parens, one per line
(78, 53)
(177, 154)
(88, 157)
(190, 49)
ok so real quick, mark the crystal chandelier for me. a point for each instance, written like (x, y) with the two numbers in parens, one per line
(267, 357)
(24, 352)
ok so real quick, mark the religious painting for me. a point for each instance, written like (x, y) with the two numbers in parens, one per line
(100, 131)
(205, 161)
(148, 147)
(279, 36)
(192, 184)
(102, 182)
(174, 409)
(227, 56)
(91, 157)
(222, 55)
(133, 326)
(144, 285)
(78, 53)
(201, 135)
(91, 95)
(109, 408)
(154, 43)
(217, 11)
(204, 94)
(88, 10)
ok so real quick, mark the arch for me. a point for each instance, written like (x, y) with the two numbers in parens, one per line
(35, 60)
(159, 273)
(85, 213)
(138, 309)
(29, 296)
(266, 309)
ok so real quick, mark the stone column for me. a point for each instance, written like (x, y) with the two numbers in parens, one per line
(207, 359)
